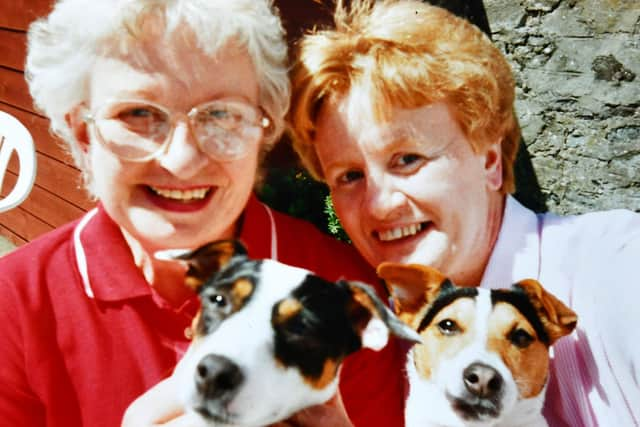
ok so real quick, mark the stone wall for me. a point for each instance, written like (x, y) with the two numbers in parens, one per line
(577, 64)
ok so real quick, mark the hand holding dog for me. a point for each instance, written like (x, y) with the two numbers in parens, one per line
(159, 407)
(332, 413)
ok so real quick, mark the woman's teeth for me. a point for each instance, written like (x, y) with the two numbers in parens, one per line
(182, 195)
(400, 232)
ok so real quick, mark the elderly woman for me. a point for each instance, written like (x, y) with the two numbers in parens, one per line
(406, 112)
(167, 107)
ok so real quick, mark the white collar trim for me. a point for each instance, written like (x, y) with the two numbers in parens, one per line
(274, 235)
(516, 254)
(81, 256)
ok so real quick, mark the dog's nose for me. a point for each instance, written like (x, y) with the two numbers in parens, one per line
(482, 380)
(217, 377)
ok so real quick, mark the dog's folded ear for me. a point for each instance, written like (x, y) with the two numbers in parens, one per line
(558, 319)
(205, 260)
(412, 287)
(374, 329)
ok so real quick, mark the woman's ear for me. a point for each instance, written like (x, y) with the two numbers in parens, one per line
(493, 165)
(76, 122)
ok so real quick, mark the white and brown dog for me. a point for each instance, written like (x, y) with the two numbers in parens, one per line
(484, 355)
(270, 337)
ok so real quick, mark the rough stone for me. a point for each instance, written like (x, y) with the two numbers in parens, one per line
(578, 97)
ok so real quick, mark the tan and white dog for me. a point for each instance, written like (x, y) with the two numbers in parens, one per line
(270, 338)
(484, 355)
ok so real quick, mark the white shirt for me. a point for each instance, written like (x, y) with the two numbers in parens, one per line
(592, 263)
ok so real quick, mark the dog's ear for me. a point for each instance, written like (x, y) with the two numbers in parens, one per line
(205, 260)
(412, 287)
(373, 320)
(558, 319)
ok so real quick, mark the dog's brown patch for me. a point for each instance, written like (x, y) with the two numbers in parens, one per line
(240, 291)
(191, 331)
(557, 319)
(329, 372)
(207, 259)
(439, 347)
(412, 286)
(528, 365)
(287, 309)
(360, 309)
(193, 282)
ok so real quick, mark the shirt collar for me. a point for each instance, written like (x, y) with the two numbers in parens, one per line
(105, 263)
(516, 254)
(104, 260)
(259, 230)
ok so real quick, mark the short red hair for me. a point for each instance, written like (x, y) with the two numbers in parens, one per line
(406, 54)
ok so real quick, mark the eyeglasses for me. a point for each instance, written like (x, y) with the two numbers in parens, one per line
(139, 130)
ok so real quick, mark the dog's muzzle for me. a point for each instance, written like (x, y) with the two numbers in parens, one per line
(217, 379)
(483, 381)
(484, 388)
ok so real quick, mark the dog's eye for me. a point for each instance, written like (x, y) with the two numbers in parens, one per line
(448, 327)
(218, 300)
(520, 338)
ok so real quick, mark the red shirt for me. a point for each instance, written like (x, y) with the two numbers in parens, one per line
(83, 334)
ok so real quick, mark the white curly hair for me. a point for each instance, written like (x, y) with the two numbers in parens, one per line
(63, 46)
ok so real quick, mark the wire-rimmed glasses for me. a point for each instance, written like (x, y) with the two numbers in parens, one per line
(137, 130)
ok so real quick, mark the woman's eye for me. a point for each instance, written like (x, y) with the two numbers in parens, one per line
(142, 119)
(407, 159)
(218, 114)
(137, 112)
(350, 176)
(448, 327)
(140, 112)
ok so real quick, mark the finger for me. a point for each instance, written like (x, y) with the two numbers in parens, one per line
(331, 413)
(156, 406)
(189, 419)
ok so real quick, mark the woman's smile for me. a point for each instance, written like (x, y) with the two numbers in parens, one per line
(180, 200)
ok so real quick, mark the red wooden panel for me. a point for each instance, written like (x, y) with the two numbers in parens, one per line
(10, 235)
(13, 89)
(12, 49)
(45, 142)
(23, 224)
(58, 178)
(18, 14)
(44, 205)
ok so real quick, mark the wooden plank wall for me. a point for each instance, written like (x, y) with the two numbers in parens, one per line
(56, 197)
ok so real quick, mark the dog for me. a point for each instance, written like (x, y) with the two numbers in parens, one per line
(269, 338)
(484, 355)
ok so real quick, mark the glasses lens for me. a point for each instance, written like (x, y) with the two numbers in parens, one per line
(133, 130)
(227, 130)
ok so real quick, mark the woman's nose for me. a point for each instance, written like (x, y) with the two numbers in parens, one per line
(384, 199)
(183, 157)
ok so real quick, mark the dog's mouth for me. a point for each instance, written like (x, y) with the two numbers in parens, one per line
(472, 408)
(217, 416)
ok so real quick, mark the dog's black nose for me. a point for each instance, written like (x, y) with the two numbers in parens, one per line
(482, 380)
(217, 377)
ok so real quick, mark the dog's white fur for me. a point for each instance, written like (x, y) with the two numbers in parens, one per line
(270, 392)
(427, 405)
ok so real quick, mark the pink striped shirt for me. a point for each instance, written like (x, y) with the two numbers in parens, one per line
(592, 263)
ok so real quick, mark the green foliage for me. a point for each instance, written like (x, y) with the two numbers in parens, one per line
(291, 190)
(333, 223)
